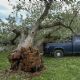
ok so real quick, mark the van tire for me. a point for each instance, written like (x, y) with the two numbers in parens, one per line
(58, 53)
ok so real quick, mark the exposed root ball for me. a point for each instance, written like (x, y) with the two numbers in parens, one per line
(27, 59)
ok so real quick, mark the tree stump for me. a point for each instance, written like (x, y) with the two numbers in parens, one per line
(27, 59)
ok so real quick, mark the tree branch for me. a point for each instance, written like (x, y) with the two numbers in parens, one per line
(42, 17)
(49, 25)
(45, 13)
(55, 24)
(18, 33)
(72, 19)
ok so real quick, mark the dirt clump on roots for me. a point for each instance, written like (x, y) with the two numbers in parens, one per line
(26, 59)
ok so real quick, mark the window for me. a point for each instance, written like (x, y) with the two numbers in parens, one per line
(77, 39)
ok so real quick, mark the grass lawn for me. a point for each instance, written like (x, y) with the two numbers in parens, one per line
(67, 68)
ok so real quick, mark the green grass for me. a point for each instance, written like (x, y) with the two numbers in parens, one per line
(4, 60)
(61, 69)
(67, 68)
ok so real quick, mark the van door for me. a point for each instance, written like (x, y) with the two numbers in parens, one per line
(76, 45)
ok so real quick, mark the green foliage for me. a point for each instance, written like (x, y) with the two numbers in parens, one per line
(56, 13)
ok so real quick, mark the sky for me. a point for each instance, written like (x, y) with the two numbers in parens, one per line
(5, 9)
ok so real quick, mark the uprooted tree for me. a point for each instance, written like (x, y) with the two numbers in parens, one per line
(26, 56)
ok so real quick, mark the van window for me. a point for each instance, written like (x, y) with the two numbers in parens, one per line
(77, 39)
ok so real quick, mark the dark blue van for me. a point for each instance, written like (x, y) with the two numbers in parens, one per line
(71, 46)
